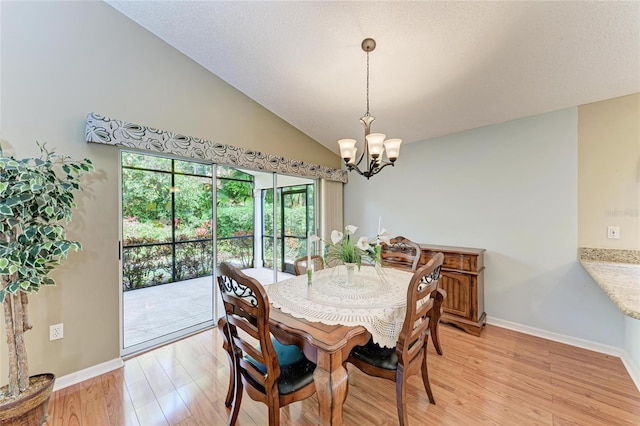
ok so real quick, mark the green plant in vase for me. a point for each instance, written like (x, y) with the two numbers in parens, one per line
(36, 200)
(344, 248)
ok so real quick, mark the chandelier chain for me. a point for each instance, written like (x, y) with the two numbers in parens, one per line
(367, 114)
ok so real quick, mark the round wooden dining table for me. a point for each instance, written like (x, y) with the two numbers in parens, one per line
(376, 300)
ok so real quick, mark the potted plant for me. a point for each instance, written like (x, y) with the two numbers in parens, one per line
(36, 199)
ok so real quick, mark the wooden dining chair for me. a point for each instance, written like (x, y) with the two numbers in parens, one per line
(410, 354)
(402, 253)
(300, 264)
(271, 372)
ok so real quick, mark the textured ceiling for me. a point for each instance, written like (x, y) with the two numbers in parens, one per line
(439, 67)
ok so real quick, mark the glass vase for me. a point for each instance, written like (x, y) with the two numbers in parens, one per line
(310, 274)
(351, 268)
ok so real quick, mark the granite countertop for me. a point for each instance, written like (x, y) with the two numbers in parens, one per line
(617, 272)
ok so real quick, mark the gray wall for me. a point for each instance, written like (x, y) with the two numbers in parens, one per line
(510, 188)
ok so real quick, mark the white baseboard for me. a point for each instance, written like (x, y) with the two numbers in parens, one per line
(87, 373)
(628, 363)
(556, 337)
(632, 368)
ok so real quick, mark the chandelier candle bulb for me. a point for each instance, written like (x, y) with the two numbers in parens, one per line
(352, 160)
(347, 149)
(392, 146)
(375, 142)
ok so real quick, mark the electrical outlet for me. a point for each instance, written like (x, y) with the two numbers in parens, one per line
(613, 232)
(56, 332)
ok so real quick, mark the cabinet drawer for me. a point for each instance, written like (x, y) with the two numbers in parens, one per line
(457, 261)
(460, 261)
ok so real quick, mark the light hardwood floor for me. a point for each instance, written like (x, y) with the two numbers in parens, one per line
(500, 378)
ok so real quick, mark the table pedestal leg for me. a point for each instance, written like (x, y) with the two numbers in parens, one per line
(331, 388)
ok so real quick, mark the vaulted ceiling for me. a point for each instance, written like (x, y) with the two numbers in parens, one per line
(438, 68)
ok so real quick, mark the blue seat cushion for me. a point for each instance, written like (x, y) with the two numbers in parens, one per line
(376, 355)
(296, 371)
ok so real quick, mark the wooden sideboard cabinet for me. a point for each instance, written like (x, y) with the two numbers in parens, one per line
(462, 277)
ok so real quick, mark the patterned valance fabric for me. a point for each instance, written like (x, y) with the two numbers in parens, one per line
(108, 131)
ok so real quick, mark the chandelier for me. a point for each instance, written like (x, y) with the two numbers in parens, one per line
(375, 144)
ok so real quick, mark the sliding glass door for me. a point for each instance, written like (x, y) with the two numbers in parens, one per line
(167, 249)
(180, 219)
(235, 217)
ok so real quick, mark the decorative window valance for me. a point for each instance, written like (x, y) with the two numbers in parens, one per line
(108, 131)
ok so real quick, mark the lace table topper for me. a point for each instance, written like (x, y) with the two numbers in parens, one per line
(376, 300)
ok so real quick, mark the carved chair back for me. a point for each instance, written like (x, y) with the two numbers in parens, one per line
(300, 264)
(400, 253)
(424, 283)
(246, 306)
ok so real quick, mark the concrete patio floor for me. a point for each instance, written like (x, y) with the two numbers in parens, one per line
(152, 312)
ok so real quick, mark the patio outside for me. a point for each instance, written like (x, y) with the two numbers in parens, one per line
(156, 311)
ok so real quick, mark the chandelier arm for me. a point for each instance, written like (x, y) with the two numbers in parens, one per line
(365, 151)
(375, 167)
(372, 170)
(356, 169)
(375, 170)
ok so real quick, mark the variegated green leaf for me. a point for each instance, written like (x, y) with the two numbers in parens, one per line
(13, 287)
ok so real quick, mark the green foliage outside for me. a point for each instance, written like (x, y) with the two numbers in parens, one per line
(147, 213)
(144, 266)
(293, 247)
(147, 220)
(232, 219)
(193, 260)
(234, 192)
(146, 196)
